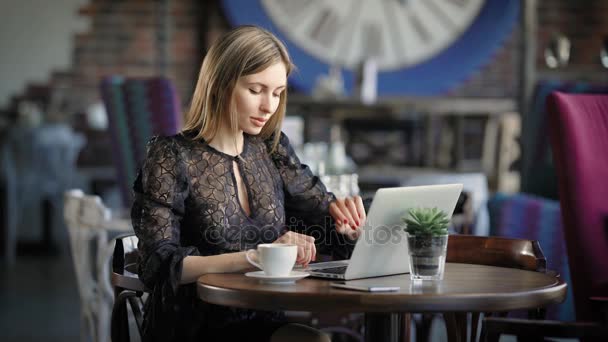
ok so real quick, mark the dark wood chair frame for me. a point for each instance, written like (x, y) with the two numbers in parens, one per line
(490, 251)
(128, 291)
(537, 330)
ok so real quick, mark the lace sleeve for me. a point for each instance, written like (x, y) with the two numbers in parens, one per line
(306, 197)
(160, 191)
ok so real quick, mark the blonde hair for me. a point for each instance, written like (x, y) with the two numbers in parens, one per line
(242, 51)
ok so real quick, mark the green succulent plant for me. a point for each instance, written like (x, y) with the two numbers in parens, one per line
(426, 221)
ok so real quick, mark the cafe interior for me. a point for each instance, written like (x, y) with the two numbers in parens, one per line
(507, 97)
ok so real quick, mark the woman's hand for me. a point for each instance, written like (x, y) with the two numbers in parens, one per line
(307, 251)
(349, 215)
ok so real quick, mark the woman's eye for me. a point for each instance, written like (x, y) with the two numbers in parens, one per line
(276, 95)
(254, 92)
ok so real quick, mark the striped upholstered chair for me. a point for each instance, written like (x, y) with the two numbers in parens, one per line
(137, 110)
(530, 217)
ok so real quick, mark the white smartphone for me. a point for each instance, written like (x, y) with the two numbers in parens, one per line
(365, 288)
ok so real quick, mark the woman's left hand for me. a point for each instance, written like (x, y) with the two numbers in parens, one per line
(349, 215)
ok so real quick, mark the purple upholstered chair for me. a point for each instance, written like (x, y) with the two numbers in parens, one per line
(578, 127)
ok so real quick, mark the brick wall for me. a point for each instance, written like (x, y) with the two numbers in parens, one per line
(128, 38)
(498, 77)
(133, 38)
(585, 23)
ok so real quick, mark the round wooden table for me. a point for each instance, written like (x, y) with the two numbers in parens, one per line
(465, 288)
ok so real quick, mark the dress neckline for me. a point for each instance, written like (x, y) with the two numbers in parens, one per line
(226, 155)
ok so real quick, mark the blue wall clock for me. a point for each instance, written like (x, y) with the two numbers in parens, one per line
(422, 47)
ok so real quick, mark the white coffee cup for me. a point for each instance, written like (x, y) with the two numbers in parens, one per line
(275, 259)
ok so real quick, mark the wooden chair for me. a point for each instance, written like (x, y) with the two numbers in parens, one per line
(89, 223)
(80, 240)
(491, 251)
(496, 251)
(129, 291)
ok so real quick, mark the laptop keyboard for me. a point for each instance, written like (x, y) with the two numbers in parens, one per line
(333, 270)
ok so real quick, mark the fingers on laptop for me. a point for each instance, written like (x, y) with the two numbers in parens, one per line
(349, 215)
(360, 209)
(352, 210)
(344, 215)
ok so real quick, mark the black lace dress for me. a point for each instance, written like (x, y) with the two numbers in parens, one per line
(186, 203)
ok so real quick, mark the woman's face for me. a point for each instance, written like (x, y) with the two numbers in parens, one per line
(256, 97)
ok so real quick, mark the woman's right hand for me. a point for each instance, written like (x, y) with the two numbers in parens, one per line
(307, 251)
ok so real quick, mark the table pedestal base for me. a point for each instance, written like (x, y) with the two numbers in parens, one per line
(387, 327)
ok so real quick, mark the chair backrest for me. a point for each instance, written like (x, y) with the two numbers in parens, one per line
(524, 216)
(84, 216)
(124, 264)
(579, 139)
(137, 110)
(128, 289)
(496, 251)
(79, 244)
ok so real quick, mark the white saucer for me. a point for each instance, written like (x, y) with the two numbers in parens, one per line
(288, 279)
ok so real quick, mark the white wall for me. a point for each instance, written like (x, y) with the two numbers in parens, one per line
(36, 38)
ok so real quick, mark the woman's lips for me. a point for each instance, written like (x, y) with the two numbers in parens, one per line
(259, 122)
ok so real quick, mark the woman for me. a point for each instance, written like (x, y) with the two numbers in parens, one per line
(224, 185)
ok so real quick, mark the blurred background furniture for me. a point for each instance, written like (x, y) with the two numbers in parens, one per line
(90, 224)
(38, 165)
(138, 108)
(574, 238)
(535, 218)
(538, 167)
(578, 126)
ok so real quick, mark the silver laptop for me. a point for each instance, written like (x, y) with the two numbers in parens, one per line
(381, 249)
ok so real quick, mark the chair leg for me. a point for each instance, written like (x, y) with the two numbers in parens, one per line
(136, 307)
(87, 326)
(423, 327)
(488, 337)
(456, 326)
(474, 325)
(406, 330)
(119, 329)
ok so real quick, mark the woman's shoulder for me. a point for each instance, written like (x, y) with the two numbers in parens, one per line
(164, 146)
(178, 140)
(159, 142)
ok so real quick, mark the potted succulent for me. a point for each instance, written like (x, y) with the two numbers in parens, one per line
(427, 237)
